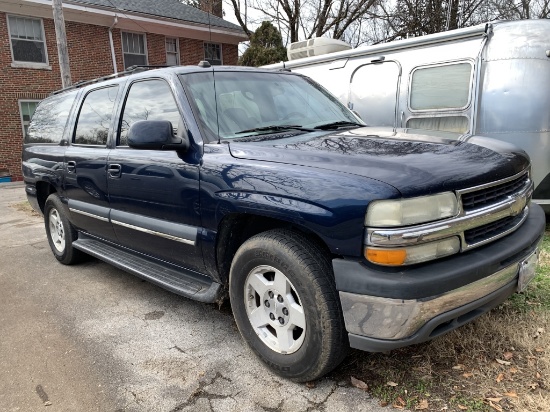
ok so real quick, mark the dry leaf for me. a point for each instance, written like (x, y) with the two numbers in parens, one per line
(513, 370)
(538, 375)
(359, 384)
(462, 407)
(458, 367)
(383, 404)
(390, 383)
(311, 385)
(500, 377)
(467, 375)
(396, 406)
(511, 394)
(508, 355)
(400, 401)
(497, 400)
(423, 404)
(495, 406)
(503, 362)
(539, 349)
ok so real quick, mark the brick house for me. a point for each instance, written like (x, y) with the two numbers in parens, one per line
(103, 37)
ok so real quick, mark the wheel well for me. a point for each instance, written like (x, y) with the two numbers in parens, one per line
(236, 228)
(43, 190)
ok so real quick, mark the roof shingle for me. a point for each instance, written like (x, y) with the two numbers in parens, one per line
(172, 9)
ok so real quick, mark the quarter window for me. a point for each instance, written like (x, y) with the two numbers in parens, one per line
(94, 119)
(441, 87)
(172, 52)
(149, 100)
(213, 53)
(49, 119)
(134, 49)
(27, 40)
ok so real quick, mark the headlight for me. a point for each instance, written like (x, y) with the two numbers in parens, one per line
(404, 212)
(413, 254)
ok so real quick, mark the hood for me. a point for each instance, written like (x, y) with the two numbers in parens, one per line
(413, 163)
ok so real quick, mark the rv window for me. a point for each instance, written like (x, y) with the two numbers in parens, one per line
(458, 124)
(441, 87)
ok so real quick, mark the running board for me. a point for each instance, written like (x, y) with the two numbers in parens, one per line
(175, 279)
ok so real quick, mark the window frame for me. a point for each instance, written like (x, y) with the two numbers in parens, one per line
(205, 43)
(442, 64)
(21, 113)
(22, 63)
(178, 60)
(146, 51)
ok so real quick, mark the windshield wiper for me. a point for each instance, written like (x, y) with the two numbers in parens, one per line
(335, 125)
(276, 128)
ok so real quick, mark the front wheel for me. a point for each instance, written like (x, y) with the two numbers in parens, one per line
(60, 232)
(286, 305)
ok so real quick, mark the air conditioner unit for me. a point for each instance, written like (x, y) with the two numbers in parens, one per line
(315, 47)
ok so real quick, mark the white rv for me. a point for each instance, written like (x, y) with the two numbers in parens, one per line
(489, 80)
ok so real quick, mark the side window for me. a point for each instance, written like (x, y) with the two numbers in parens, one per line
(49, 119)
(148, 100)
(441, 87)
(94, 119)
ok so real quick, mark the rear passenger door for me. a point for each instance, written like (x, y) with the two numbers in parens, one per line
(154, 194)
(85, 162)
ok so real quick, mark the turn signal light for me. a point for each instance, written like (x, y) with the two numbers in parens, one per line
(393, 257)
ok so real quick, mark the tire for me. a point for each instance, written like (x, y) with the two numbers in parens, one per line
(286, 306)
(61, 234)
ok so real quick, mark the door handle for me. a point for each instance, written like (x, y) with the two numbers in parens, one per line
(71, 166)
(114, 171)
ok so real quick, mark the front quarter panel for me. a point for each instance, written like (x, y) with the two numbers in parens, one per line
(330, 204)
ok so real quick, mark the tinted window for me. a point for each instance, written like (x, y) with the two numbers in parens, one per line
(49, 119)
(148, 100)
(441, 87)
(95, 115)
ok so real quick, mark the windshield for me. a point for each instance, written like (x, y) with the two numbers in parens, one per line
(240, 104)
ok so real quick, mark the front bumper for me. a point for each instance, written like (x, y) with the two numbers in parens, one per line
(388, 308)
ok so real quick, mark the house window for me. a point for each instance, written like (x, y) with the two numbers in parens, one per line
(27, 108)
(134, 48)
(27, 40)
(172, 52)
(213, 53)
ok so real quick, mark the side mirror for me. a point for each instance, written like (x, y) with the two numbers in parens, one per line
(155, 135)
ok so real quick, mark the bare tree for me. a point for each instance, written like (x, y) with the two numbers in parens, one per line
(305, 19)
(519, 10)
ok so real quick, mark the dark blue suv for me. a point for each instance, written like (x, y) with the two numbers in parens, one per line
(260, 185)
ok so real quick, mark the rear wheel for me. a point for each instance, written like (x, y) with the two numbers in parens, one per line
(286, 305)
(60, 232)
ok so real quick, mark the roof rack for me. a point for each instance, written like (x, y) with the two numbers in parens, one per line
(128, 71)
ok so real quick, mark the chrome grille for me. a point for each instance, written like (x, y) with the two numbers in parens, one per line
(485, 232)
(493, 194)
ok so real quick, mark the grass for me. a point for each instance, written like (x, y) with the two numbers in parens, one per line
(26, 208)
(500, 362)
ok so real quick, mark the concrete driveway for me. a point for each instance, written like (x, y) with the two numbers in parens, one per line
(93, 338)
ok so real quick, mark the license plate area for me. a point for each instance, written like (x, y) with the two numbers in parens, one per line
(528, 270)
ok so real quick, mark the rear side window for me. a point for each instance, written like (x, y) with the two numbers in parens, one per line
(441, 87)
(94, 119)
(50, 118)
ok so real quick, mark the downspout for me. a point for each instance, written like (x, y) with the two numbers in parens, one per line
(113, 45)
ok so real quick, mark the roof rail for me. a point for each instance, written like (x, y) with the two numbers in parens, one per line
(128, 71)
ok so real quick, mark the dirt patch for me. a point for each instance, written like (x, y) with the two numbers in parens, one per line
(26, 208)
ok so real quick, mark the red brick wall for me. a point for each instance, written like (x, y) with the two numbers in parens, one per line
(90, 57)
